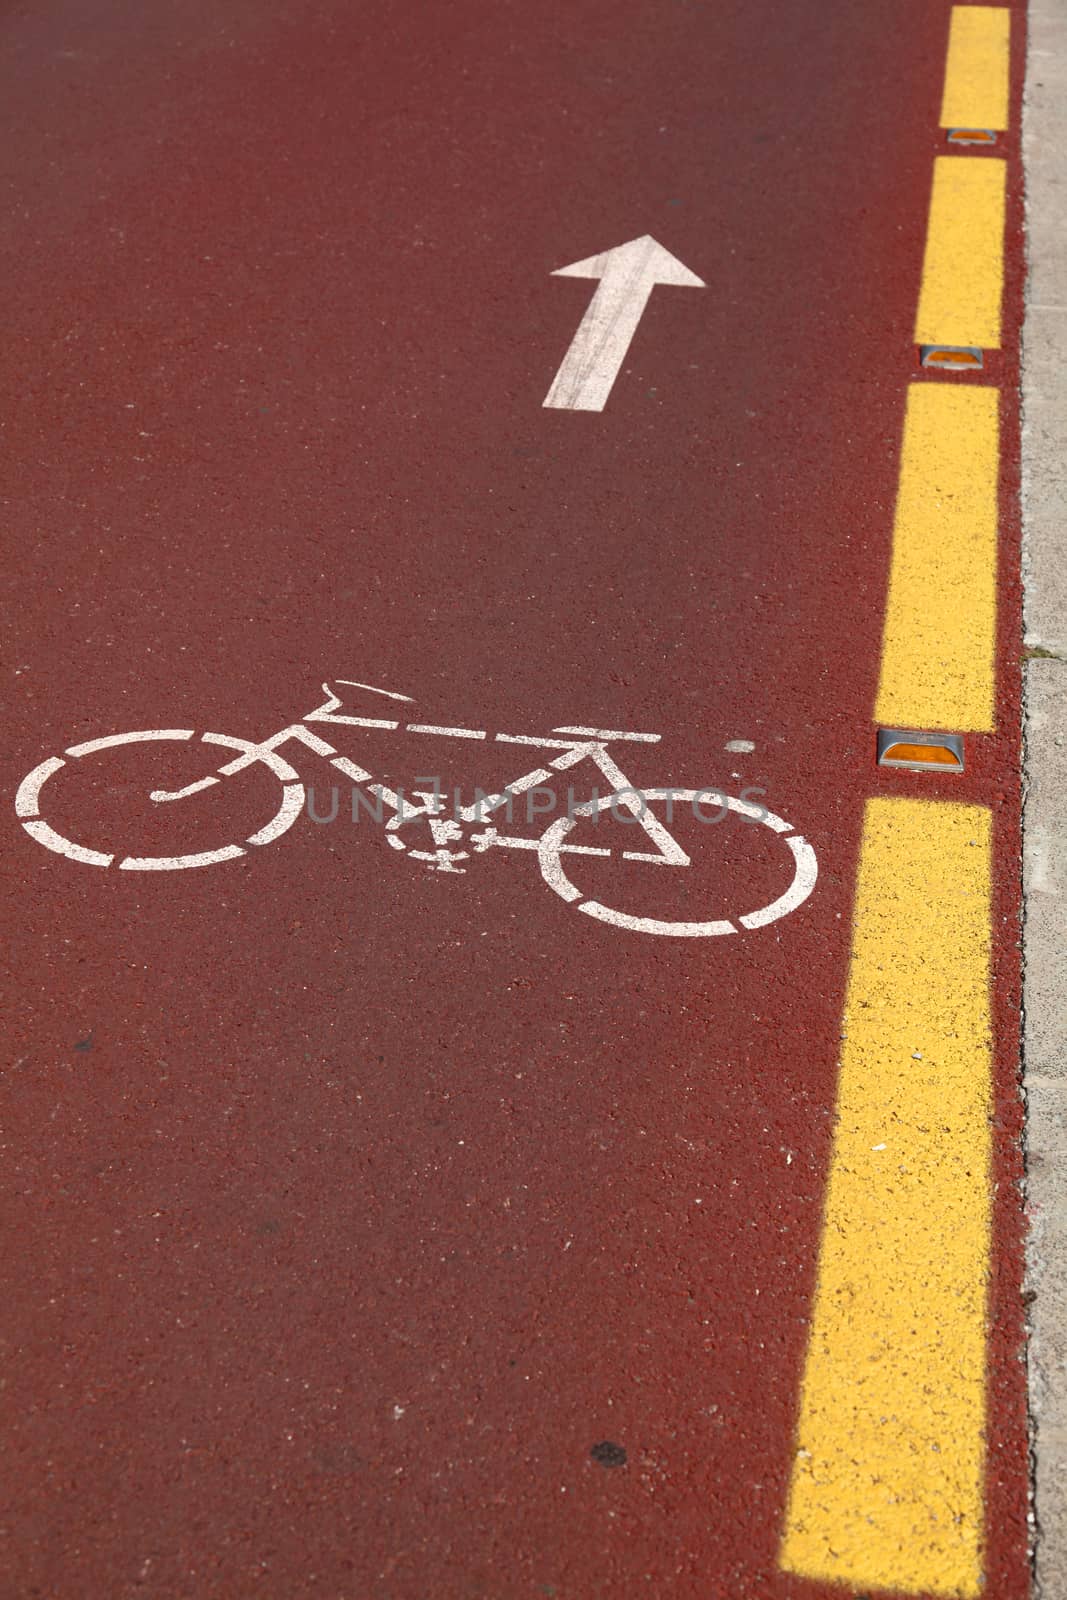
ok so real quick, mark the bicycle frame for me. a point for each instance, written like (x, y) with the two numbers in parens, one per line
(574, 744)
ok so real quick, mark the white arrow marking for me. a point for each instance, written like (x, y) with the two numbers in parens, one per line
(627, 276)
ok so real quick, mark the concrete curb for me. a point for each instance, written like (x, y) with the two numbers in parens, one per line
(1045, 817)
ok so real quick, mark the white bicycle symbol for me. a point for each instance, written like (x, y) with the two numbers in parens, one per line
(449, 828)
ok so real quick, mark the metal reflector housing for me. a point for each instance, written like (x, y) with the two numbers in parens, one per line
(952, 358)
(920, 752)
(971, 136)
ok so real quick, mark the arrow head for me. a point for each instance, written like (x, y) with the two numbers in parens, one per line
(642, 258)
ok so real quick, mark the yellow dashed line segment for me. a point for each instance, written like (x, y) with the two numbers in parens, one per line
(887, 1486)
(963, 269)
(940, 626)
(976, 73)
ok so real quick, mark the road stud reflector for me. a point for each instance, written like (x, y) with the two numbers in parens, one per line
(920, 752)
(972, 136)
(952, 358)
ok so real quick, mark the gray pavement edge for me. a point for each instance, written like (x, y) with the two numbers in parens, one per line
(1044, 490)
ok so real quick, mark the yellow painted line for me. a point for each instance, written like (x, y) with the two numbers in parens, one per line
(940, 625)
(963, 269)
(976, 72)
(887, 1483)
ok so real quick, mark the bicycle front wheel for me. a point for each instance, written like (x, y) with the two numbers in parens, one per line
(28, 801)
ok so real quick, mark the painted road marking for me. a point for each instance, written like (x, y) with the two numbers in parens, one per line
(290, 808)
(66, 847)
(805, 867)
(627, 276)
(887, 1487)
(203, 858)
(592, 747)
(887, 1483)
(939, 641)
(963, 270)
(144, 736)
(390, 694)
(350, 770)
(611, 733)
(28, 798)
(976, 72)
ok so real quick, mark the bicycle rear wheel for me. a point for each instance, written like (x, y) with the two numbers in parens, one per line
(805, 871)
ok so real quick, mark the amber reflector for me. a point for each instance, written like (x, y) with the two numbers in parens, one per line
(903, 747)
(929, 755)
(971, 136)
(953, 358)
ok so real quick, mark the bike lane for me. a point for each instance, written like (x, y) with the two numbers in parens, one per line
(386, 1231)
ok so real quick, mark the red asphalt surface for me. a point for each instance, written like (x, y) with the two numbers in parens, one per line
(349, 1205)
